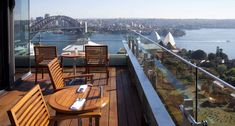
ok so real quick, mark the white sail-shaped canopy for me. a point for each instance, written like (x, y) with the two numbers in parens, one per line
(157, 36)
(169, 40)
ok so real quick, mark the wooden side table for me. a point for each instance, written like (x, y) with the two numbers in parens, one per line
(72, 55)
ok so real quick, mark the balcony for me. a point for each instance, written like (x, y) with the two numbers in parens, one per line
(132, 101)
(149, 85)
(152, 83)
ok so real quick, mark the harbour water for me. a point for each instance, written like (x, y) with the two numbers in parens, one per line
(208, 40)
(205, 39)
(114, 41)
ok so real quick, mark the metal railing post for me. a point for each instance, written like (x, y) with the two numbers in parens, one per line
(133, 46)
(129, 43)
(136, 48)
(196, 96)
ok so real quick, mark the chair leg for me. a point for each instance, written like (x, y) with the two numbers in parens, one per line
(36, 75)
(107, 74)
(86, 70)
(107, 71)
(42, 73)
(90, 121)
(79, 121)
(97, 121)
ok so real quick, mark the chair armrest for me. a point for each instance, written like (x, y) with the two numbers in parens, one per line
(55, 90)
(80, 76)
(87, 76)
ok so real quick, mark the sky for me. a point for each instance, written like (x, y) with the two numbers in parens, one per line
(173, 9)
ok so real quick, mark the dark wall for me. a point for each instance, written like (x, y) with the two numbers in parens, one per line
(6, 7)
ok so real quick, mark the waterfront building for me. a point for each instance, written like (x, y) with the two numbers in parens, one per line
(155, 36)
(85, 27)
(39, 18)
(169, 41)
(46, 15)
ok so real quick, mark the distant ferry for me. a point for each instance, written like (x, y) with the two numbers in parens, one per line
(228, 41)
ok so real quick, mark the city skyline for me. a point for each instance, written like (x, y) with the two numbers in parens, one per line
(182, 9)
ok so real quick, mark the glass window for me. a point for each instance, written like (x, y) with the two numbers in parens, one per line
(21, 38)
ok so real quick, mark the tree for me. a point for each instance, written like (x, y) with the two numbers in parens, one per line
(189, 54)
(208, 64)
(224, 56)
(199, 55)
(221, 69)
(220, 55)
(230, 76)
(211, 56)
(231, 72)
(183, 52)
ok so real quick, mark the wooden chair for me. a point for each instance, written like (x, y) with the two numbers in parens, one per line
(57, 78)
(96, 59)
(31, 110)
(43, 55)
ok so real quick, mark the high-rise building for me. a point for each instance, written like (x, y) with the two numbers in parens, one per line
(46, 15)
(85, 27)
(39, 18)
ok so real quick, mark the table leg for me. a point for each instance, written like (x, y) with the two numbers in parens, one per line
(90, 121)
(97, 121)
(79, 121)
(74, 65)
(74, 72)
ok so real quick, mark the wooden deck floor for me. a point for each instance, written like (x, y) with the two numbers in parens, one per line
(124, 108)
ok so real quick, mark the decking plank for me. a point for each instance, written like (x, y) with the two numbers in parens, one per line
(122, 117)
(134, 100)
(113, 121)
(128, 98)
(104, 111)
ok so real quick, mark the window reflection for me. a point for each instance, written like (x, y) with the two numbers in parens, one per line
(21, 34)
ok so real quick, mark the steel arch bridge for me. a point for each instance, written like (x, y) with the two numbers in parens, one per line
(54, 23)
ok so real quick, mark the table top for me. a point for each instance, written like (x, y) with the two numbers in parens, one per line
(72, 54)
(71, 48)
(62, 100)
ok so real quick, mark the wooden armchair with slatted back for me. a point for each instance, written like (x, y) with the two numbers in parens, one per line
(96, 59)
(57, 78)
(30, 110)
(43, 55)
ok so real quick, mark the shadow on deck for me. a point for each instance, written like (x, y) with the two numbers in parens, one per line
(124, 108)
